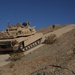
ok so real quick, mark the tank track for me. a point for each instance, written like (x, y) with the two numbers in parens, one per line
(32, 45)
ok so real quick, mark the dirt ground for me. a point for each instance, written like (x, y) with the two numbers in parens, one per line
(50, 28)
(55, 59)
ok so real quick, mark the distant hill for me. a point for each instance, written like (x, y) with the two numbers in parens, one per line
(49, 28)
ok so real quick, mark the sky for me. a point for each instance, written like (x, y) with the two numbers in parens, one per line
(39, 13)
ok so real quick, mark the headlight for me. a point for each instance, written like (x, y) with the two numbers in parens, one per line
(14, 42)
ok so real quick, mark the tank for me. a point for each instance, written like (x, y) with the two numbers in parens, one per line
(19, 37)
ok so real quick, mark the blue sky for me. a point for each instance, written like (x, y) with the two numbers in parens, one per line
(39, 13)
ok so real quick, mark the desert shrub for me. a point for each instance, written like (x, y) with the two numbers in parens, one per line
(11, 65)
(16, 56)
(50, 39)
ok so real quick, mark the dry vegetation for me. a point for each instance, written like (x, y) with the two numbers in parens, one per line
(50, 39)
(16, 56)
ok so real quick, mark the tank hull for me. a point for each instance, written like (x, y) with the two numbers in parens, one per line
(24, 43)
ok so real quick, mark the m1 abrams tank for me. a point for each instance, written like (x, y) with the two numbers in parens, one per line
(19, 37)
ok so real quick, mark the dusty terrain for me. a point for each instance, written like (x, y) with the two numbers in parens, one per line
(49, 28)
(55, 59)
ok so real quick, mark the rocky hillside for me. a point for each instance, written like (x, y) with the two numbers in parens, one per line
(55, 59)
(49, 28)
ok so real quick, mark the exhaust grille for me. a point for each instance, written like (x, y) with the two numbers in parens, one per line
(5, 44)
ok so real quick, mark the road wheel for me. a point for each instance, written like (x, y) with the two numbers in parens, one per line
(38, 42)
(26, 48)
(29, 47)
(22, 47)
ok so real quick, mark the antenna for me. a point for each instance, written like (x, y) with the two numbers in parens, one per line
(8, 23)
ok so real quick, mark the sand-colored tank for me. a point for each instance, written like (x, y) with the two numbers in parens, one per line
(19, 37)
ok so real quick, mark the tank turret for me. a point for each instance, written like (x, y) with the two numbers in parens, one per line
(18, 30)
(26, 30)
